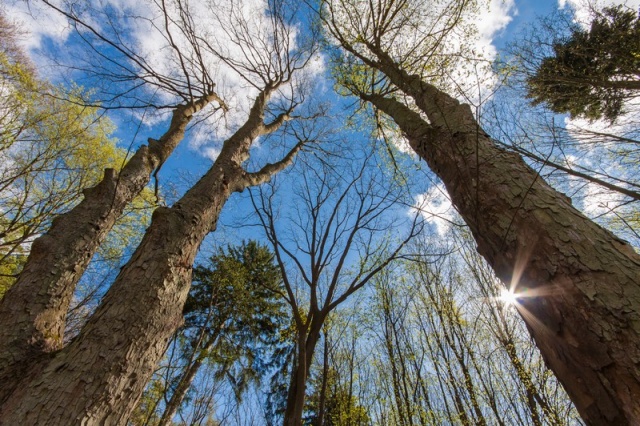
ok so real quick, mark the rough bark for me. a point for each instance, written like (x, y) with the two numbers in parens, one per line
(36, 305)
(299, 375)
(580, 284)
(99, 376)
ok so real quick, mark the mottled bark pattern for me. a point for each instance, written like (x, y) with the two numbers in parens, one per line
(583, 282)
(36, 305)
(118, 348)
(99, 376)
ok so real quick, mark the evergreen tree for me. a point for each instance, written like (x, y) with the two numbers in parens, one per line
(233, 319)
(592, 72)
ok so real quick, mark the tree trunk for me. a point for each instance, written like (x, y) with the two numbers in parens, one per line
(99, 376)
(185, 383)
(298, 384)
(325, 377)
(37, 304)
(579, 285)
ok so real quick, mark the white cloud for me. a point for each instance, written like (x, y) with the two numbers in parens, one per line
(491, 21)
(598, 202)
(142, 28)
(583, 8)
(474, 78)
(626, 123)
(37, 22)
(211, 152)
(435, 205)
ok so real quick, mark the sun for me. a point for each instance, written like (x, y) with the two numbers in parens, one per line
(508, 297)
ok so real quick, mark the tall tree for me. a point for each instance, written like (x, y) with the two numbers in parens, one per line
(592, 73)
(442, 357)
(341, 212)
(59, 257)
(99, 376)
(50, 150)
(233, 313)
(583, 304)
(593, 161)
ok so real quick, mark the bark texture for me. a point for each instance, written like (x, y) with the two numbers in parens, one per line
(36, 305)
(579, 284)
(99, 376)
(296, 394)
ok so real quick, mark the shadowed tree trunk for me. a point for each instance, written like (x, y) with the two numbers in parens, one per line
(579, 285)
(99, 376)
(325, 376)
(59, 258)
(306, 346)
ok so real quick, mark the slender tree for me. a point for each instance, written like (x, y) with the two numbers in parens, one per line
(583, 300)
(232, 315)
(443, 357)
(340, 213)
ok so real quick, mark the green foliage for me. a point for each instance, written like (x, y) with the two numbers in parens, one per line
(448, 350)
(145, 412)
(51, 148)
(9, 268)
(237, 297)
(341, 406)
(592, 72)
(234, 316)
(239, 288)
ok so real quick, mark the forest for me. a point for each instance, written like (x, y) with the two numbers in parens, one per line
(319, 212)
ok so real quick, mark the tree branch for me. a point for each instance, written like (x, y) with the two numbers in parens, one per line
(264, 174)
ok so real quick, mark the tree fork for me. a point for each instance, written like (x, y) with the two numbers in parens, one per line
(36, 305)
(99, 376)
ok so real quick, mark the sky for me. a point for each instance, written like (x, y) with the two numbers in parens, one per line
(497, 24)
(504, 21)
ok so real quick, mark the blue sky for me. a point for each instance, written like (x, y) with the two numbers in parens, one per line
(194, 156)
(45, 29)
(497, 25)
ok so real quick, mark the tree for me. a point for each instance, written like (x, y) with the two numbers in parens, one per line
(582, 282)
(233, 315)
(594, 162)
(592, 73)
(541, 398)
(79, 233)
(340, 407)
(105, 368)
(437, 350)
(51, 150)
(341, 212)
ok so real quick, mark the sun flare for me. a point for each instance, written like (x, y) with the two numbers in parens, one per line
(508, 297)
